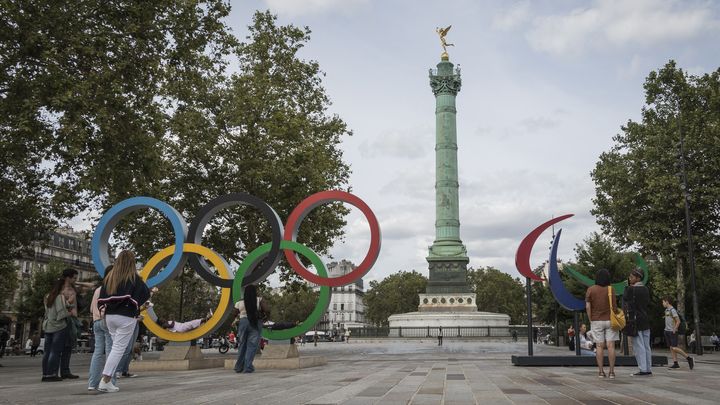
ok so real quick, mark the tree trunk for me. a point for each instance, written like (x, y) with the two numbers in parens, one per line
(680, 305)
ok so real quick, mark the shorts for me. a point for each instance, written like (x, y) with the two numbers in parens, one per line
(671, 338)
(602, 332)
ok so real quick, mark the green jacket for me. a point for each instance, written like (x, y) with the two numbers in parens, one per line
(55, 315)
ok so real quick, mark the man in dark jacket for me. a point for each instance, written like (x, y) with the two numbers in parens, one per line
(636, 300)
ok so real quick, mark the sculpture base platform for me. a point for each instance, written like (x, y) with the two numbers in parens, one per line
(281, 357)
(448, 320)
(176, 365)
(177, 358)
(579, 361)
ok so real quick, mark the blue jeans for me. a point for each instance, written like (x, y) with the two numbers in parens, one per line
(248, 343)
(103, 345)
(54, 345)
(641, 347)
(124, 365)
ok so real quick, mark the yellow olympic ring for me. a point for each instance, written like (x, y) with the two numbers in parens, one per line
(225, 294)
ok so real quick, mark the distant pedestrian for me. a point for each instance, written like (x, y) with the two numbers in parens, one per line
(692, 343)
(571, 338)
(55, 327)
(672, 323)
(35, 343)
(440, 336)
(249, 328)
(715, 341)
(597, 305)
(347, 336)
(514, 335)
(636, 300)
(122, 295)
(4, 336)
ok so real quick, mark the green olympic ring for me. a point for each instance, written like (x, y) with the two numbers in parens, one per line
(320, 308)
(618, 287)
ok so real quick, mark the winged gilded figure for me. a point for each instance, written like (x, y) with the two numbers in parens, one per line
(443, 32)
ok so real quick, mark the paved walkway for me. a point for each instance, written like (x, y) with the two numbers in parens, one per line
(391, 373)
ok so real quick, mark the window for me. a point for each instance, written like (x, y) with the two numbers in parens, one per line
(342, 307)
(334, 307)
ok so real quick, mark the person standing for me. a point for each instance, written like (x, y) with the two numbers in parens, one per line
(347, 335)
(35, 343)
(597, 306)
(440, 336)
(123, 367)
(249, 328)
(103, 342)
(715, 341)
(636, 300)
(122, 295)
(571, 338)
(55, 327)
(70, 292)
(4, 336)
(672, 323)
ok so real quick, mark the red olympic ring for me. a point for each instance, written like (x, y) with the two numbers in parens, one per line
(303, 209)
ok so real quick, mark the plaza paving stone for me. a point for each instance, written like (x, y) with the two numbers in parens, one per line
(388, 373)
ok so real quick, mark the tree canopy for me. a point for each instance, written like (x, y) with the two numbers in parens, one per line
(395, 294)
(498, 292)
(639, 196)
(103, 101)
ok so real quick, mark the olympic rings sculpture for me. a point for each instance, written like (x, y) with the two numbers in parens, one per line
(256, 266)
(557, 287)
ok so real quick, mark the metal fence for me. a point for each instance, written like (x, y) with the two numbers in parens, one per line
(501, 332)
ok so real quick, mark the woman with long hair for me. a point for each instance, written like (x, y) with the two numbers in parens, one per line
(122, 295)
(249, 328)
(55, 327)
(597, 306)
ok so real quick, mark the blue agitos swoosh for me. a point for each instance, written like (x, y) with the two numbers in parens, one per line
(561, 294)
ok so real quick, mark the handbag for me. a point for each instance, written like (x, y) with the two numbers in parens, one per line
(617, 316)
(631, 324)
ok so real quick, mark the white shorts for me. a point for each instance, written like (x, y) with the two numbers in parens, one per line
(602, 332)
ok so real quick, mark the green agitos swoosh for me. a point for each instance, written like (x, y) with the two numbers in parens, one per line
(618, 287)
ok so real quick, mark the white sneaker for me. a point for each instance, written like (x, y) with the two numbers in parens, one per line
(107, 387)
(92, 389)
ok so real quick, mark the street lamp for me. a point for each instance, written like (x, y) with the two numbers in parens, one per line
(691, 252)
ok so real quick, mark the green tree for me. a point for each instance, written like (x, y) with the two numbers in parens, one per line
(8, 280)
(395, 294)
(87, 90)
(498, 292)
(639, 197)
(293, 303)
(269, 134)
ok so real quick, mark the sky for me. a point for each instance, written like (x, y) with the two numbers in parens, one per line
(545, 87)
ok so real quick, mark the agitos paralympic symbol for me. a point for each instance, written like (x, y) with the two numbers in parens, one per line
(557, 287)
(256, 266)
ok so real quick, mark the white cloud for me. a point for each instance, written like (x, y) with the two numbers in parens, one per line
(512, 17)
(618, 23)
(408, 144)
(304, 7)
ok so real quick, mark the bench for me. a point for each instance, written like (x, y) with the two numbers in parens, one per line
(707, 343)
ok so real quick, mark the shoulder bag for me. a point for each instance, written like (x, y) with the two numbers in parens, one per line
(617, 316)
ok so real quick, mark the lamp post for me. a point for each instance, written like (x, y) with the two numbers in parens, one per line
(691, 252)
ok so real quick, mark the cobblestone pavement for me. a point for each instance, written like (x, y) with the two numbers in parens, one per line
(381, 373)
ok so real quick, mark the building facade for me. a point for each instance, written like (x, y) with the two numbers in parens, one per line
(64, 246)
(346, 309)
